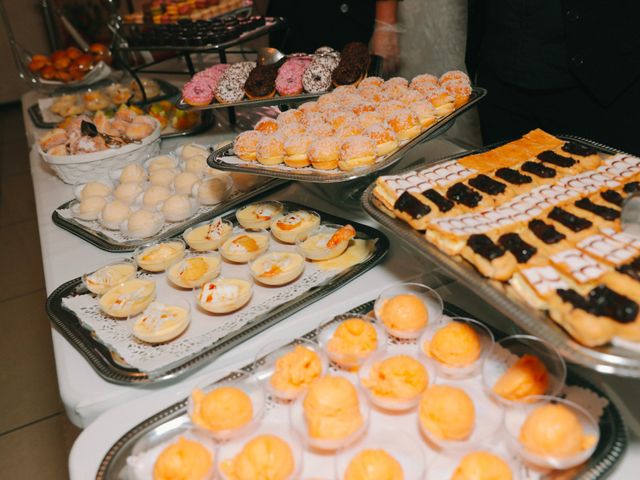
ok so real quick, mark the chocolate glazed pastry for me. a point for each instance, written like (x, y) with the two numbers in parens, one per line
(443, 204)
(410, 205)
(575, 148)
(484, 246)
(538, 169)
(518, 247)
(631, 187)
(574, 298)
(261, 82)
(605, 302)
(613, 197)
(346, 73)
(553, 158)
(462, 194)
(631, 269)
(545, 232)
(599, 210)
(512, 176)
(569, 220)
(487, 185)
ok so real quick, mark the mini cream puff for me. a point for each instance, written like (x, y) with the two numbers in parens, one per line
(128, 192)
(294, 371)
(527, 376)
(142, 224)
(405, 124)
(296, 148)
(129, 298)
(356, 151)
(324, 153)
(399, 378)
(185, 459)
(326, 242)
(447, 412)
(277, 268)
(224, 295)
(286, 227)
(88, 208)
(209, 236)
(133, 173)
(270, 150)
(455, 345)
(161, 322)
(193, 149)
(222, 409)
(94, 189)
(244, 247)
(264, 457)
(194, 271)
(245, 145)
(158, 257)
(373, 464)
(258, 215)
(384, 138)
(109, 276)
(404, 313)
(482, 466)
(352, 342)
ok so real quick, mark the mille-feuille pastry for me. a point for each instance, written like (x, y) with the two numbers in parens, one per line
(572, 226)
(518, 181)
(613, 197)
(258, 215)
(244, 247)
(468, 198)
(621, 237)
(540, 172)
(585, 154)
(562, 163)
(538, 284)
(544, 236)
(582, 269)
(497, 190)
(194, 271)
(596, 213)
(287, 227)
(620, 167)
(413, 210)
(607, 250)
(490, 259)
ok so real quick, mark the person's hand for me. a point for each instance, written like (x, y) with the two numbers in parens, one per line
(384, 43)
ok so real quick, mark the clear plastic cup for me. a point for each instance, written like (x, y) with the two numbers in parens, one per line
(258, 215)
(232, 252)
(224, 305)
(208, 244)
(100, 280)
(444, 466)
(161, 264)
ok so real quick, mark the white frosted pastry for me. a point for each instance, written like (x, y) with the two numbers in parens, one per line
(178, 207)
(194, 271)
(128, 298)
(95, 189)
(133, 173)
(128, 192)
(184, 182)
(277, 268)
(214, 190)
(196, 164)
(286, 227)
(244, 247)
(89, 208)
(158, 257)
(163, 177)
(258, 215)
(109, 276)
(113, 214)
(155, 195)
(224, 295)
(161, 322)
(191, 149)
(142, 224)
(161, 162)
(209, 236)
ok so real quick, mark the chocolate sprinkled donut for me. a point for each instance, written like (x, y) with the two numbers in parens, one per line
(316, 78)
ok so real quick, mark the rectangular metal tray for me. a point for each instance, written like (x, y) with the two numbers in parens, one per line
(334, 176)
(103, 242)
(610, 449)
(375, 67)
(607, 359)
(106, 364)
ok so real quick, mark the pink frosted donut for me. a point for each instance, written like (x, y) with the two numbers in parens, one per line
(289, 79)
(197, 92)
(212, 74)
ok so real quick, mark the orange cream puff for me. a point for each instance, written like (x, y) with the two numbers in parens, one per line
(384, 137)
(264, 457)
(221, 409)
(129, 298)
(405, 124)
(295, 370)
(447, 412)
(245, 145)
(455, 345)
(482, 466)
(356, 151)
(270, 150)
(404, 313)
(395, 86)
(296, 149)
(371, 464)
(363, 106)
(372, 94)
(425, 111)
(352, 342)
(460, 91)
(456, 75)
(332, 409)
(554, 430)
(224, 295)
(324, 153)
(527, 376)
(339, 118)
(185, 459)
(399, 378)
(286, 227)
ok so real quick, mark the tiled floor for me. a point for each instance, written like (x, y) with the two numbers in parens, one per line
(35, 435)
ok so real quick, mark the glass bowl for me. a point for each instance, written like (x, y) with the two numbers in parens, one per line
(327, 329)
(229, 251)
(516, 415)
(268, 355)
(269, 209)
(444, 465)
(319, 250)
(451, 370)
(162, 264)
(100, 280)
(506, 352)
(204, 245)
(243, 381)
(431, 300)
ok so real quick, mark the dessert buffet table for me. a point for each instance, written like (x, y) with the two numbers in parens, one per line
(109, 410)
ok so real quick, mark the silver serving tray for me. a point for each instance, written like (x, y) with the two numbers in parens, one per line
(110, 367)
(609, 359)
(375, 67)
(307, 174)
(171, 420)
(104, 242)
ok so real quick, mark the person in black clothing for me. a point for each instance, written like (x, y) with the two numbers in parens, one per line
(566, 66)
